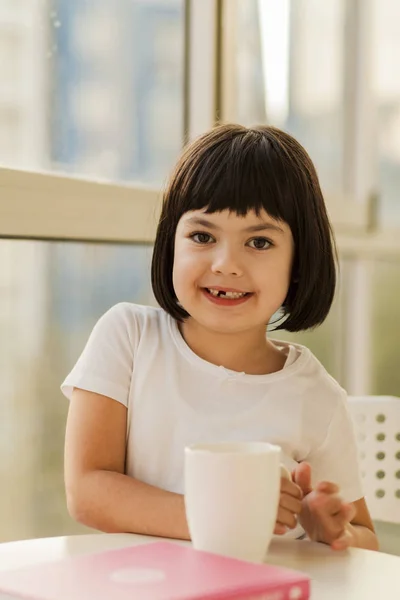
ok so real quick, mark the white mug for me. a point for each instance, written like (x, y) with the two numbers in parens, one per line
(232, 496)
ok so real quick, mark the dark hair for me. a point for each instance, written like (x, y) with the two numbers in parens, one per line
(241, 169)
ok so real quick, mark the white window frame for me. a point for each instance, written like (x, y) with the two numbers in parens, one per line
(44, 205)
(51, 206)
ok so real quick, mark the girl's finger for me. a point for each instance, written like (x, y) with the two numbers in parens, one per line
(286, 517)
(323, 504)
(336, 528)
(288, 487)
(343, 542)
(280, 529)
(327, 487)
(294, 505)
(330, 515)
(345, 514)
(350, 511)
(340, 544)
(302, 476)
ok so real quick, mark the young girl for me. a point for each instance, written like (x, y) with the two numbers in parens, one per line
(243, 236)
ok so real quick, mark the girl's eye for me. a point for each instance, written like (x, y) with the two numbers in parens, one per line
(260, 243)
(201, 238)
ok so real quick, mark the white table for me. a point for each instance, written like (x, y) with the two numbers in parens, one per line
(351, 575)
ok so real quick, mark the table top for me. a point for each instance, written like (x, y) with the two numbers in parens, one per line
(354, 574)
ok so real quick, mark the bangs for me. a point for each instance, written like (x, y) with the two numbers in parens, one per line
(241, 174)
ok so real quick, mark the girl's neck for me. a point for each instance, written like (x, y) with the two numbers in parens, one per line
(248, 351)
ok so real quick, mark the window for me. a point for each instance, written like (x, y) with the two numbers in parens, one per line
(93, 87)
(385, 319)
(386, 85)
(52, 295)
(326, 72)
(281, 45)
(91, 107)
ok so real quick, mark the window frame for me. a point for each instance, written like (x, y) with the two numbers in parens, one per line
(42, 205)
(53, 206)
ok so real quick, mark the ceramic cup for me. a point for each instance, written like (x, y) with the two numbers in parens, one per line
(232, 496)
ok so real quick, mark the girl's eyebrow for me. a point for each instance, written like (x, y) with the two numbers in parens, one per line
(264, 226)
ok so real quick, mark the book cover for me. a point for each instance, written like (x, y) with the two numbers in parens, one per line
(155, 571)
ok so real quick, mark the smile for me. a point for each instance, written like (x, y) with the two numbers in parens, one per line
(226, 294)
(226, 297)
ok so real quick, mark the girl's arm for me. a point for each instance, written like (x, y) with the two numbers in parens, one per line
(360, 532)
(99, 494)
(326, 518)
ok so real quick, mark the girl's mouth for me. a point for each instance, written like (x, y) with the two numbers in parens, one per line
(226, 298)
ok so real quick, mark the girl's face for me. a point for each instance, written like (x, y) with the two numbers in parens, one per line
(232, 273)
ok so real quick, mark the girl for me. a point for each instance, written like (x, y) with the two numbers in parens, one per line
(243, 234)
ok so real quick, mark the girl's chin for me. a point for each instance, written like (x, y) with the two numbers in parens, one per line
(223, 323)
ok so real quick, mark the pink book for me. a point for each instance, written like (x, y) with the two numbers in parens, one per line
(155, 571)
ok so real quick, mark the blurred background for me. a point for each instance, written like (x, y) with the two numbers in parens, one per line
(109, 91)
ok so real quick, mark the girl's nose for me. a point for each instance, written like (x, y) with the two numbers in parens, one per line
(225, 262)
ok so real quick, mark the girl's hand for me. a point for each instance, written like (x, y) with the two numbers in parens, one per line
(324, 516)
(290, 506)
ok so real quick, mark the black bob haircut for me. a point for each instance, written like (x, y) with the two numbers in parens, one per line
(242, 169)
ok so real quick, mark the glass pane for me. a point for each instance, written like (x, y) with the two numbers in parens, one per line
(92, 87)
(385, 324)
(301, 67)
(386, 67)
(382, 320)
(290, 73)
(250, 90)
(51, 296)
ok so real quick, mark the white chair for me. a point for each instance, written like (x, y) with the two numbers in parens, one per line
(377, 425)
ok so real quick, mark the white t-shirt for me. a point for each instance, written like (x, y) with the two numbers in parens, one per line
(137, 356)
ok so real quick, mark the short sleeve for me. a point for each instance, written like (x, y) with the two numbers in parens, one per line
(336, 460)
(106, 363)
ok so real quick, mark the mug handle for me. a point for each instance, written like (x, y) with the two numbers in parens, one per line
(285, 472)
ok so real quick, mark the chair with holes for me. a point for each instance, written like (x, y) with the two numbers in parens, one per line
(377, 426)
